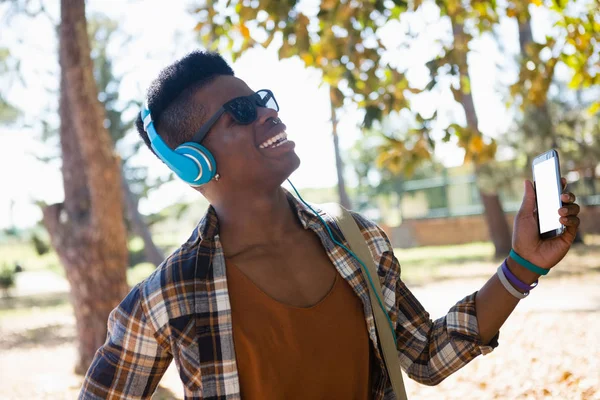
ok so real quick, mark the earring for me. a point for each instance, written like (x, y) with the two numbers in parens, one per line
(217, 177)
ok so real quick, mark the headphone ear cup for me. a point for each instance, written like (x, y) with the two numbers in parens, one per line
(203, 160)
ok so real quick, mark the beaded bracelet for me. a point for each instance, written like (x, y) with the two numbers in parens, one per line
(515, 281)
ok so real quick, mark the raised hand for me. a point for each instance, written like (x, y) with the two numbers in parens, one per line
(526, 240)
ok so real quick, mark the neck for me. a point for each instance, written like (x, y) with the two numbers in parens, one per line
(248, 221)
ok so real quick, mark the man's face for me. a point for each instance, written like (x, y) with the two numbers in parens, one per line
(241, 160)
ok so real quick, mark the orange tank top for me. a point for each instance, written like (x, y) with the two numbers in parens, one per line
(287, 352)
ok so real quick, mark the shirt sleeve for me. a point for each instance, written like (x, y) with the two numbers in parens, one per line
(133, 359)
(430, 351)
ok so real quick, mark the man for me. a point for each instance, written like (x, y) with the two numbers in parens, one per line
(259, 302)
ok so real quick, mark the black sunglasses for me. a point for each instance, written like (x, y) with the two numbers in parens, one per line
(242, 109)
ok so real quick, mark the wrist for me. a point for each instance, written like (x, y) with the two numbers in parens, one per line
(524, 275)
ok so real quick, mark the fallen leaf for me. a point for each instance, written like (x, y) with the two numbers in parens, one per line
(566, 375)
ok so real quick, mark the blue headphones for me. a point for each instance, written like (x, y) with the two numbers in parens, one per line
(191, 161)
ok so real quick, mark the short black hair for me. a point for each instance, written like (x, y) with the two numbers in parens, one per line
(175, 116)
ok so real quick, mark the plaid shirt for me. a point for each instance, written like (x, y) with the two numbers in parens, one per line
(182, 312)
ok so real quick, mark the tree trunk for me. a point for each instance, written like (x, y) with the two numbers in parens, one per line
(494, 214)
(497, 224)
(339, 164)
(152, 253)
(87, 230)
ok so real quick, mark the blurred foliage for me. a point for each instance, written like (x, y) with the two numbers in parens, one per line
(41, 247)
(574, 42)
(368, 157)
(7, 278)
(340, 39)
(139, 272)
(404, 152)
(8, 66)
(136, 256)
(468, 20)
(554, 113)
(575, 133)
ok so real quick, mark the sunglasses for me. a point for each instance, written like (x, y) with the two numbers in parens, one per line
(242, 109)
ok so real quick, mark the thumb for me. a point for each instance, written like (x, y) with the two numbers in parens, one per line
(528, 205)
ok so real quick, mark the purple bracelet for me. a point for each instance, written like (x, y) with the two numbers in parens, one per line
(515, 281)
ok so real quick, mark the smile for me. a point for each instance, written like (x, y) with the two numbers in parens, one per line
(275, 141)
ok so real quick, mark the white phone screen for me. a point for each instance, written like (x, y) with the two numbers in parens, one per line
(548, 200)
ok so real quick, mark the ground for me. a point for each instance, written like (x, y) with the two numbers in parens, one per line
(549, 348)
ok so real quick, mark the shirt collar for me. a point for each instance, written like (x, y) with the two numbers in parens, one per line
(208, 227)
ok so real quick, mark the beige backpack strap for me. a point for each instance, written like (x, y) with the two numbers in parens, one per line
(359, 246)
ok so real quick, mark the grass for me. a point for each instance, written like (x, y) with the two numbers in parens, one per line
(434, 255)
(58, 302)
(425, 264)
(27, 306)
(23, 253)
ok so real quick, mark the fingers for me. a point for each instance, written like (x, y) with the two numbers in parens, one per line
(569, 210)
(571, 224)
(570, 221)
(568, 213)
(568, 217)
(568, 198)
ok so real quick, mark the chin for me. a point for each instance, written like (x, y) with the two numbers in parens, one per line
(279, 174)
(294, 164)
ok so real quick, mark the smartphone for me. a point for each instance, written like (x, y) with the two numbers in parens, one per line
(548, 188)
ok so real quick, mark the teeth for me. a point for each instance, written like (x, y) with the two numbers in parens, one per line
(268, 143)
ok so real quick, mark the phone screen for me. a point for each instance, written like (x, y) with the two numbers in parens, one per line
(547, 194)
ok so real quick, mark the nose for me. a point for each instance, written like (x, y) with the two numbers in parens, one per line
(266, 114)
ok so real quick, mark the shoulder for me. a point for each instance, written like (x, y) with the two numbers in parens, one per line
(373, 233)
(377, 241)
(168, 292)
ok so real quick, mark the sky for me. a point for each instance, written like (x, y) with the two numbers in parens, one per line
(162, 32)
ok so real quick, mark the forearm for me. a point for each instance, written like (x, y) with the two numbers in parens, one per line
(494, 303)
